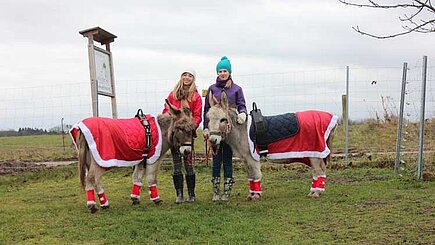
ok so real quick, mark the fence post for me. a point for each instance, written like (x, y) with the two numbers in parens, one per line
(400, 122)
(423, 101)
(63, 134)
(346, 122)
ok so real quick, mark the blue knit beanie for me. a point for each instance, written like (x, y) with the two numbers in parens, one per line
(223, 64)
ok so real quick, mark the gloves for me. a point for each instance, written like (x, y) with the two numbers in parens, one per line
(241, 118)
(206, 133)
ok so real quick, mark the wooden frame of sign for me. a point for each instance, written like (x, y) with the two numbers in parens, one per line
(101, 67)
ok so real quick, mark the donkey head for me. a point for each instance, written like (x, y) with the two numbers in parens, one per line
(182, 127)
(221, 118)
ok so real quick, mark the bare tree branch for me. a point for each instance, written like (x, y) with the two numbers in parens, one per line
(415, 22)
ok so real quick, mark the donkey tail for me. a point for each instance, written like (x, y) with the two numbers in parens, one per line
(83, 148)
(329, 143)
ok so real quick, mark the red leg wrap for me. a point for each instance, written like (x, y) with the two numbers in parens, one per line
(154, 195)
(313, 184)
(135, 191)
(90, 196)
(251, 186)
(318, 183)
(255, 186)
(103, 199)
(321, 182)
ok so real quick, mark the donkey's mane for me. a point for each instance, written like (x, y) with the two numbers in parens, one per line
(164, 120)
(232, 111)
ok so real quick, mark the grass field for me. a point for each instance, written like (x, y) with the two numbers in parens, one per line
(364, 203)
(360, 206)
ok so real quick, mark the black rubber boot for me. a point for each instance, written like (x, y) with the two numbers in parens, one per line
(190, 181)
(178, 184)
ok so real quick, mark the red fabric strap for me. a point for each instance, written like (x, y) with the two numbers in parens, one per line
(321, 182)
(136, 190)
(154, 195)
(90, 195)
(254, 186)
(102, 198)
(318, 183)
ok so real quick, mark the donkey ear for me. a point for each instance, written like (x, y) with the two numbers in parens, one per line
(173, 110)
(224, 100)
(185, 104)
(211, 99)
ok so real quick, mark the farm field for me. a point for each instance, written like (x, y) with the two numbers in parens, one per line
(360, 206)
(364, 203)
(370, 145)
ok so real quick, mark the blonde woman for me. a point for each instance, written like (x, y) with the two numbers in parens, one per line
(185, 91)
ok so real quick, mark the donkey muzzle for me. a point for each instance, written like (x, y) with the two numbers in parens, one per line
(186, 148)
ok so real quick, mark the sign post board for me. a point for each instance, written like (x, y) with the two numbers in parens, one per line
(101, 67)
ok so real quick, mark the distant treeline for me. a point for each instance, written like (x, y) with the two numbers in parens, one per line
(34, 131)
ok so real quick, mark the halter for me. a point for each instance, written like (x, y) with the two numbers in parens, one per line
(222, 134)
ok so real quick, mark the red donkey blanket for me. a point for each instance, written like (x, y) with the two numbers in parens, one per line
(310, 141)
(119, 142)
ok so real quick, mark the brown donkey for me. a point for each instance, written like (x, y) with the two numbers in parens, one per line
(103, 143)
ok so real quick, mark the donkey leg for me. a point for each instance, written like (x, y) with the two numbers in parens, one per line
(319, 177)
(151, 174)
(90, 189)
(254, 177)
(104, 203)
(138, 173)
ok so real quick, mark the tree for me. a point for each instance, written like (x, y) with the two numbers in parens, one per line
(421, 19)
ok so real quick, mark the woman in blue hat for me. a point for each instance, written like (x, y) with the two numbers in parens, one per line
(224, 81)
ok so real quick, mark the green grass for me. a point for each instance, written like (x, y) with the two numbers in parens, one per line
(360, 206)
(36, 148)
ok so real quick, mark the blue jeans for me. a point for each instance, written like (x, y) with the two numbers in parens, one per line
(225, 155)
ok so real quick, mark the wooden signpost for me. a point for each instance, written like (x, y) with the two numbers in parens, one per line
(101, 67)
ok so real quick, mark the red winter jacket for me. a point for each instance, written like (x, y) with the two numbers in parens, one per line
(195, 106)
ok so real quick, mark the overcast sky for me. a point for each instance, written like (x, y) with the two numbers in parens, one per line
(40, 41)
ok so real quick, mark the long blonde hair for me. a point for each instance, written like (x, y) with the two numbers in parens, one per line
(179, 93)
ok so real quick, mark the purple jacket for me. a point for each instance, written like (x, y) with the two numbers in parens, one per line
(235, 97)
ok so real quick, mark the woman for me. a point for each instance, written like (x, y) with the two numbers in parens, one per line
(236, 99)
(185, 89)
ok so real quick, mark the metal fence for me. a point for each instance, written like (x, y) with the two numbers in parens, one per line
(374, 98)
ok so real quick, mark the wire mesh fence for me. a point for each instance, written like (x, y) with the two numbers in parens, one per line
(374, 98)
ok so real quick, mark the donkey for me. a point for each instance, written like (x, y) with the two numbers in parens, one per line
(311, 143)
(141, 142)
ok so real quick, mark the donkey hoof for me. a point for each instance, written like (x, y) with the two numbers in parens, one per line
(105, 207)
(254, 197)
(158, 202)
(135, 201)
(92, 208)
(315, 194)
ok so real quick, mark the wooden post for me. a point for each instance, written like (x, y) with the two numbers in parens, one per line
(344, 109)
(104, 38)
